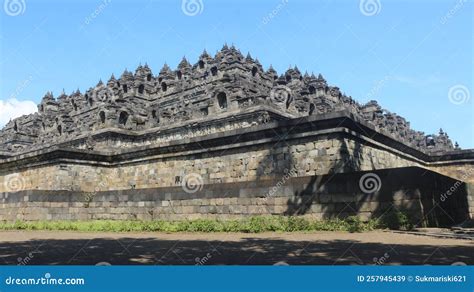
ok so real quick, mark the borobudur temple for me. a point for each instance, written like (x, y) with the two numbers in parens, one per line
(224, 138)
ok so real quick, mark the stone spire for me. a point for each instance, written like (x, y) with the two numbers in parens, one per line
(204, 55)
(204, 59)
(48, 96)
(165, 70)
(112, 81)
(146, 70)
(272, 73)
(126, 74)
(184, 64)
(248, 58)
(141, 72)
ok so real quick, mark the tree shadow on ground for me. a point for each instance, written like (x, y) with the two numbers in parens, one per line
(247, 251)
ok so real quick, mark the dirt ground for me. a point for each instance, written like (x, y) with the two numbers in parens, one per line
(316, 248)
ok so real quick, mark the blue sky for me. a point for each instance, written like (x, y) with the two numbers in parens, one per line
(414, 57)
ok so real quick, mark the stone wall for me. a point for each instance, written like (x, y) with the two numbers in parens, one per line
(463, 171)
(411, 190)
(52, 183)
(309, 156)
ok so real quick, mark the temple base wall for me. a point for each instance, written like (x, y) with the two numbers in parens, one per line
(272, 168)
(413, 191)
(240, 163)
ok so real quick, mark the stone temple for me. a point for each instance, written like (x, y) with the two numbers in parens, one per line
(224, 138)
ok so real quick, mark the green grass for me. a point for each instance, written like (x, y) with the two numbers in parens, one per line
(248, 225)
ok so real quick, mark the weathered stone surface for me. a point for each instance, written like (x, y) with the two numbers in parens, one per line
(396, 192)
(221, 138)
(212, 88)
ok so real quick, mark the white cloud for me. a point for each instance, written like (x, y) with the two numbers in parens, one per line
(13, 108)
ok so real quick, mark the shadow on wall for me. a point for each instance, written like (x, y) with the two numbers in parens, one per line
(247, 251)
(318, 189)
(419, 194)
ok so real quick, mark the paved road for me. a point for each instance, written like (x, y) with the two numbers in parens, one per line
(322, 248)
